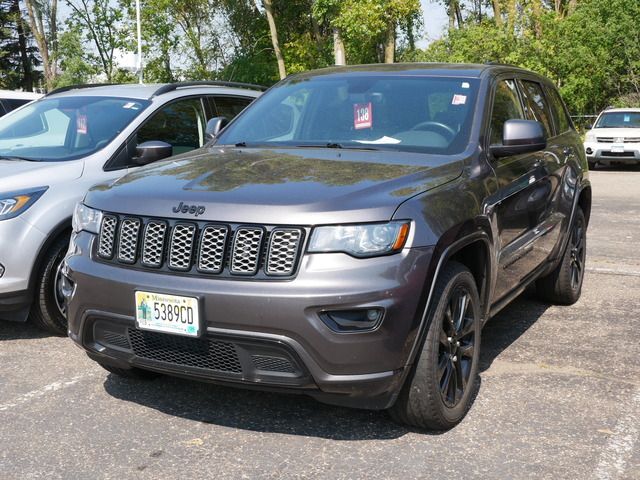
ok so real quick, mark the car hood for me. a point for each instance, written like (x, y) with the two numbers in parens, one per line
(276, 186)
(19, 174)
(616, 132)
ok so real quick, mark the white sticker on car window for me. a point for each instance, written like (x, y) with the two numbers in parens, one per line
(627, 118)
(459, 100)
(465, 85)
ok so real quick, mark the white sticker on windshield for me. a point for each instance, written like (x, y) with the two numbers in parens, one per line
(627, 118)
(129, 105)
(459, 100)
(465, 85)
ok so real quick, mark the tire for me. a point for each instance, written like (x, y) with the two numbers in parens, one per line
(449, 351)
(563, 285)
(48, 310)
(133, 373)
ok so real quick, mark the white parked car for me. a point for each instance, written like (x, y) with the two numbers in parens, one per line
(614, 138)
(11, 99)
(54, 149)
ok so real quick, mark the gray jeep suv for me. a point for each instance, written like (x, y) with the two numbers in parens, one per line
(347, 236)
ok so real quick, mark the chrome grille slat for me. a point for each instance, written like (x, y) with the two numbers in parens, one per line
(213, 241)
(128, 241)
(181, 249)
(283, 249)
(107, 236)
(153, 243)
(200, 247)
(245, 253)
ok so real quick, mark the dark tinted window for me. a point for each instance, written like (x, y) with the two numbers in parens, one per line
(535, 104)
(180, 124)
(13, 103)
(561, 119)
(506, 106)
(229, 107)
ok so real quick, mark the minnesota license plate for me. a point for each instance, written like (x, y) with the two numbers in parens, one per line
(617, 148)
(167, 313)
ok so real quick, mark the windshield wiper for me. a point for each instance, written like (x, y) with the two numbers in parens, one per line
(13, 157)
(337, 145)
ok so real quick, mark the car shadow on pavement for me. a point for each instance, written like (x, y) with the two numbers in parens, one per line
(298, 414)
(20, 330)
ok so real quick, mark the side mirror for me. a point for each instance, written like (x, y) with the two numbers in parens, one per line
(214, 126)
(149, 152)
(589, 126)
(520, 136)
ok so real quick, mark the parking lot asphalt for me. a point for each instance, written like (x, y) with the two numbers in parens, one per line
(559, 398)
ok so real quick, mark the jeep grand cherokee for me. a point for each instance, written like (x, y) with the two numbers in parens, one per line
(347, 237)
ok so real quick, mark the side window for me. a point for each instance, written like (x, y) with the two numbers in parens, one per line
(506, 106)
(229, 107)
(180, 124)
(536, 106)
(560, 116)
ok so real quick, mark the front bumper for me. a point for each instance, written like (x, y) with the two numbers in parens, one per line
(602, 153)
(20, 243)
(272, 328)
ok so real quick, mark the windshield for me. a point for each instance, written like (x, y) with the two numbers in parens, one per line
(66, 128)
(423, 114)
(619, 120)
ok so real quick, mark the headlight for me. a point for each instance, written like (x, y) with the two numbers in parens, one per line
(365, 240)
(590, 137)
(85, 218)
(13, 204)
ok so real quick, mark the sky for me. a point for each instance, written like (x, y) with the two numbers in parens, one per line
(435, 21)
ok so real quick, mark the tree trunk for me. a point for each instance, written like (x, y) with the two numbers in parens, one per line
(27, 72)
(338, 48)
(458, 13)
(39, 34)
(274, 38)
(390, 43)
(497, 12)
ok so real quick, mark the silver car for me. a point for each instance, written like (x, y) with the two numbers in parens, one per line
(54, 149)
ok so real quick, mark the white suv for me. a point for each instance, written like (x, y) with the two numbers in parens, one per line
(54, 149)
(614, 138)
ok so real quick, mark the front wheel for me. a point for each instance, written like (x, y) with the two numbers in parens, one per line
(48, 311)
(439, 391)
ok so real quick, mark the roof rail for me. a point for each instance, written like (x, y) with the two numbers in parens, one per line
(502, 64)
(79, 86)
(203, 83)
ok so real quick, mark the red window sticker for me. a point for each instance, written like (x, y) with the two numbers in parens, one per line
(81, 124)
(362, 115)
(459, 100)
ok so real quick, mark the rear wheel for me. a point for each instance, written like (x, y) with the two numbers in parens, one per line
(440, 388)
(48, 311)
(564, 284)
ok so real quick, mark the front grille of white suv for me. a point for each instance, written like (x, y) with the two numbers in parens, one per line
(201, 248)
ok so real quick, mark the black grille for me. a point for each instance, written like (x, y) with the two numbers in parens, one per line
(191, 352)
(272, 364)
(618, 154)
(115, 339)
(201, 248)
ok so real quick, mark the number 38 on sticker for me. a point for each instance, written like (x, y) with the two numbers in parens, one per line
(362, 115)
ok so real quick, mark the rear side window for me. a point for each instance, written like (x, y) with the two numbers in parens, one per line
(229, 107)
(14, 103)
(536, 106)
(560, 116)
(506, 106)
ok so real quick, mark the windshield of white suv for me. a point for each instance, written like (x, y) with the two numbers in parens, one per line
(65, 128)
(619, 120)
(409, 113)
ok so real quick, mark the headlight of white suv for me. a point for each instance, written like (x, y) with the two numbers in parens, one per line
(13, 204)
(590, 137)
(86, 218)
(365, 240)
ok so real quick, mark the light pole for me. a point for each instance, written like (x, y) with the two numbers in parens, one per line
(139, 41)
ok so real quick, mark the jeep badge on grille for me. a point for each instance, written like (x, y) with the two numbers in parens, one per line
(196, 210)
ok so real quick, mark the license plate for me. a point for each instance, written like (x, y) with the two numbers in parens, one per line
(167, 313)
(617, 148)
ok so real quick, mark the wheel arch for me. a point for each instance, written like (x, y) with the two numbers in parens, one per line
(63, 228)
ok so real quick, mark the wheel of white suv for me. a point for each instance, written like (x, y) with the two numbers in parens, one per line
(48, 311)
(439, 391)
(564, 284)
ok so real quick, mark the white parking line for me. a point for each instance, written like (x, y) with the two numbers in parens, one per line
(618, 449)
(41, 392)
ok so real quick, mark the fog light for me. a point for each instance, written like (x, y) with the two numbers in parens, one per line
(358, 320)
(589, 150)
(1, 270)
